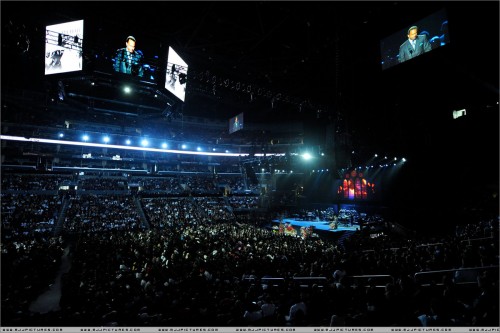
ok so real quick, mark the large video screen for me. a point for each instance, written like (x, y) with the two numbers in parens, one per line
(416, 39)
(176, 74)
(64, 47)
(129, 59)
(137, 58)
(124, 54)
(236, 123)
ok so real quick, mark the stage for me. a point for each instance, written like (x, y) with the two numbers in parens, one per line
(318, 225)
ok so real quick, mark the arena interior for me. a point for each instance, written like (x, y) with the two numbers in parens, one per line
(272, 164)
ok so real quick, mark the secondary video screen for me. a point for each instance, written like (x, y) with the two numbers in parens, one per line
(64, 47)
(414, 40)
(236, 123)
(176, 74)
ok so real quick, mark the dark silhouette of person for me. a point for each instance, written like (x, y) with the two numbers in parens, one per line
(173, 76)
(441, 39)
(56, 59)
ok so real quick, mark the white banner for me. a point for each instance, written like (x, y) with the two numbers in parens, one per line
(251, 329)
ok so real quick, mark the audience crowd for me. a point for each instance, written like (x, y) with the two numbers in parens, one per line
(190, 261)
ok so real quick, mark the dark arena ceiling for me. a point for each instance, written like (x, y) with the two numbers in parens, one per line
(314, 62)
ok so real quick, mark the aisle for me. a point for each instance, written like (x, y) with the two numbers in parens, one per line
(49, 300)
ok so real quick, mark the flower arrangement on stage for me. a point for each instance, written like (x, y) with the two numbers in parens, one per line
(290, 230)
(306, 231)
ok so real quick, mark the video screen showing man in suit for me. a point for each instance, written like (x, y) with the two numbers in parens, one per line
(428, 34)
(414, 46)
(236, 123)
(128, 60)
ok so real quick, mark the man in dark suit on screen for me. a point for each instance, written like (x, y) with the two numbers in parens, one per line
(129, 60)
(414, 46)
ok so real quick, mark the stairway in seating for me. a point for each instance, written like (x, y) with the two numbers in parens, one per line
(228, 206)
(346, 234)
(250, 173)
(140, 211)
(62, 216)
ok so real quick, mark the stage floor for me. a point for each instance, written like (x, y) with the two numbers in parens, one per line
(318, 225)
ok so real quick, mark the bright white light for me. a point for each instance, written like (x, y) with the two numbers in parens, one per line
(198, 149)
(183, 146)
(85, 138)
(164, 145)
(306, 156)
(61, 135)
(459, 113)
(106, 139)
(128, 142)
(144, 142)
(127, 90)
(102, 145)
